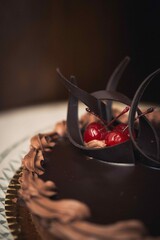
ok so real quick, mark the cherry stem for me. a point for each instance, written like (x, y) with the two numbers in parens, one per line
(113, 120)
(118, 116)
(149, 110)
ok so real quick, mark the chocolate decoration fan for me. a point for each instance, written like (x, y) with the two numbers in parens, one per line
(123, 152)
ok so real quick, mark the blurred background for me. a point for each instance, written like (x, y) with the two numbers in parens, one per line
(87, 38)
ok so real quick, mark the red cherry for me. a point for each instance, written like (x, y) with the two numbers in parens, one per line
(94, 131)
(114, 137)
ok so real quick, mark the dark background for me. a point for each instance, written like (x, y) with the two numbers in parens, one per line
(87, 38)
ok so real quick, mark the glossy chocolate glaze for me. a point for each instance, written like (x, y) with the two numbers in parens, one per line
(112, 192)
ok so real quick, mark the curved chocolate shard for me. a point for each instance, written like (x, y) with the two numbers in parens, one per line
(113, 83)
(116, 75)
(147, 143)
(72, 119)
(112, 95)
(95, 105)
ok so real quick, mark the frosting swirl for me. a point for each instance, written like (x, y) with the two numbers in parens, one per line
(42, 143)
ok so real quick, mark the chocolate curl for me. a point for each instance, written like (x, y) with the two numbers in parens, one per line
(116, 75)
(113, 83)
(147, 143)
(96, 105)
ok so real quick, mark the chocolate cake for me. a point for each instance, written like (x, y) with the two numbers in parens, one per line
(80, 186)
